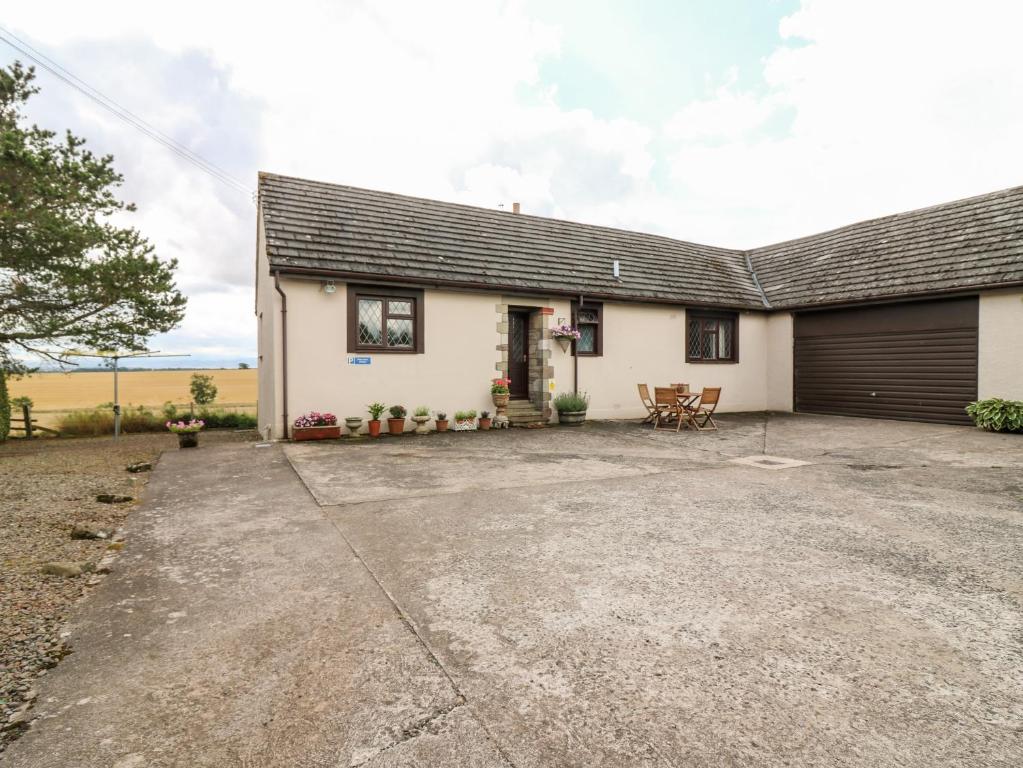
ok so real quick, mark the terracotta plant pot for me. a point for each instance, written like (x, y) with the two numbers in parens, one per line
(485, 423)
(442, 425)
(571, 418)
(188, 440)
(374, 427)
(316, 433)
(395, 427)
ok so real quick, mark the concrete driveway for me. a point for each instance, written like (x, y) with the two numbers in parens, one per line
(606, 596)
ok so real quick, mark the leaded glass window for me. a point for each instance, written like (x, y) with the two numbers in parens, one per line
(710, 337)
(587, 321)
(385, 322)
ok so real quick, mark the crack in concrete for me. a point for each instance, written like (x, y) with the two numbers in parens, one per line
(413, 731)
(403, 616)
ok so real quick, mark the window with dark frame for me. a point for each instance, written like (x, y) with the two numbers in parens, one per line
(589, 321)
(711, 337)
(385, 320)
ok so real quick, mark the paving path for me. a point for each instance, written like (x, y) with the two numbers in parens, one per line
(607, 596)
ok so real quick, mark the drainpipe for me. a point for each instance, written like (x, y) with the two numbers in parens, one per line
(575, 355)
(284, 349)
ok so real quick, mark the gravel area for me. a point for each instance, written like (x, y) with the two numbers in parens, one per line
(48, 487)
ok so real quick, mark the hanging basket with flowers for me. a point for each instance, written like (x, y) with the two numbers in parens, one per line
(565, 335)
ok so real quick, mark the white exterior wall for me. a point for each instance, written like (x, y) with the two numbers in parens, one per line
(453, 373)
(779, 361)
(268, 320)
(642, 344)
(645, 344)
(1000, 352)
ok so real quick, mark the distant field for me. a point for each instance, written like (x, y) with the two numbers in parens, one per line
(56, 393)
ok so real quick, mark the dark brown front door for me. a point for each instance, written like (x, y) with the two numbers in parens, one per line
(518, 353)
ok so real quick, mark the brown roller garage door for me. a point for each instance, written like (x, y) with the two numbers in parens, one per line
(898, 361)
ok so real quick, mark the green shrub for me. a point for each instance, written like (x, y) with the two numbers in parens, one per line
(398, 411)
(997, 415)
(17, 403)
(169, 411)
(220, 419)
(422, 410)
(465, 415)
(5, 408)
(101, 422)
(571, 401)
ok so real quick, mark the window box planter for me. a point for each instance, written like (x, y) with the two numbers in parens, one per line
(465, 425)
(316, 433)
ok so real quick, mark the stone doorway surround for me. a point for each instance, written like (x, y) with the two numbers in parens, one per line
(539, 340)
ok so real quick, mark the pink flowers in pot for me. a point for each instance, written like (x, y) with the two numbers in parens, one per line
(185, 427)
(316, 419)
(565, 331)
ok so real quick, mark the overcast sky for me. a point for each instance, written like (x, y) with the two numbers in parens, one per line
(728, 122)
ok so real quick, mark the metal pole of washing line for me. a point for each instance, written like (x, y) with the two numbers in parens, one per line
(116, 358)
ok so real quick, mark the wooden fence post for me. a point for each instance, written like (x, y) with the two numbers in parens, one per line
(26, 411)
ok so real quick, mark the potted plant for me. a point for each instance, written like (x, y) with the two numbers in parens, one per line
(187, 432)
(500, 391)
(485, 420)
(565, 334)
(354, 424)
(316, 426)
(375, 411)
(571, 407)
(441, 421)
(420, 416)
(465, 421)
(396, 423)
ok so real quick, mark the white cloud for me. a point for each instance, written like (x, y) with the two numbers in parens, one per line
(885, 107)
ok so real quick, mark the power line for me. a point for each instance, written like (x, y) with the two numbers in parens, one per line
(120, 112)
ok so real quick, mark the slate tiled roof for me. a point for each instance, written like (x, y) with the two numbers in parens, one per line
(325, 226)
(972, 243)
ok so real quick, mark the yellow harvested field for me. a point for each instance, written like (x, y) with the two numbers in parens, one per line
(87, 389)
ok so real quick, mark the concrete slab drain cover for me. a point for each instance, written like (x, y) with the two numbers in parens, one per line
(769, 462)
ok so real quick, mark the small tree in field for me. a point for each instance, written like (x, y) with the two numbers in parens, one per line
(243, 366)
(204, 391)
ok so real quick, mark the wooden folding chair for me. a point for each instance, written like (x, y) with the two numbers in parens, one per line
(666, 403)
(708, 404)
(648, 403)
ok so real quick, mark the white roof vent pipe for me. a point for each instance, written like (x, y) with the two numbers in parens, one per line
(615, 271)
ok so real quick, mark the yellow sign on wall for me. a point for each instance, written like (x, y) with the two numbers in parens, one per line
(550, 385)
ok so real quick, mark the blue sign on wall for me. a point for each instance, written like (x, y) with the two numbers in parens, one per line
(360, 360)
